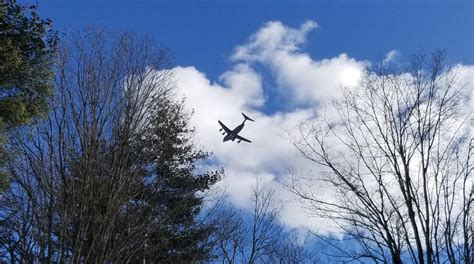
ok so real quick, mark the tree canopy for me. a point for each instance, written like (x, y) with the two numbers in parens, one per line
(27, 46)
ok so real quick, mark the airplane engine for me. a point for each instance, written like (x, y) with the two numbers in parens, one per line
(238, 141)
(223, 133)
(220, 129)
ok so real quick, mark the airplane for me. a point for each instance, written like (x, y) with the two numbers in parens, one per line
(233, 134)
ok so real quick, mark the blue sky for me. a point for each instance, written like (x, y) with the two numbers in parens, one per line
(204, 33)
(277, 61)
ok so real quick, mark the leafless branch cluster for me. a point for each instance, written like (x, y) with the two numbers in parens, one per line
(398, 158)
(256, 235)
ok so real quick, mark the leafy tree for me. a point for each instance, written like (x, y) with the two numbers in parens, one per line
(27, 45)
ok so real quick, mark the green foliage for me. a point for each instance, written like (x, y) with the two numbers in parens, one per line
(27, 45)
(175, 186)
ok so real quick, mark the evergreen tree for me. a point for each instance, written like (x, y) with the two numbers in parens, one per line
(174, 187)
(27, 45)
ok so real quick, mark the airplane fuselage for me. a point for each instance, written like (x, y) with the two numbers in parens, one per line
(234, 133)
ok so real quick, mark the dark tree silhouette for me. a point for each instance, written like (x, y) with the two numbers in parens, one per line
(112, 174)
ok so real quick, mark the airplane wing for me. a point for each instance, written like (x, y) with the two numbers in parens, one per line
(242, 138)
(227, 130)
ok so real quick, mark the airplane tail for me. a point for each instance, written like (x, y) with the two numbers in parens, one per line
(247, 118)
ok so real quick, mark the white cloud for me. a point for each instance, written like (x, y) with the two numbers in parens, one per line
(271, 38)
(305, 81)
(299, 77)
(465, 78)
(391, 56)
(267, 157)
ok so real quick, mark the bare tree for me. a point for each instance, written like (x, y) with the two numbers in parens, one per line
(397, 155)
(256, 235)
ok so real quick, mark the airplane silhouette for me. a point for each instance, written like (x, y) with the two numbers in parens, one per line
(234, 134)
